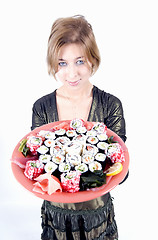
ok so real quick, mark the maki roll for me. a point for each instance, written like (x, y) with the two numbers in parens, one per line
(42, 133)
(74, 148)
(115, 153)
(80, 139)
(76, 123)
(101, 157)
(33, 143)
(50, 167)
(95, 166)
(91, 133)
(57, 149)
(102, 137)
(73, 160)
(90, 149)
(58, 158)
(60, 132)
(49, 143)
(103, 147)
(47, 134)
(81, 130)
(92, 140)
(33, 169)
(87, 158)
(64, 167)
(100, 128)
(82, 168)
(63, 141)
(44, 158)
(70, 134)
(50, 135)
(70, 181)
(42, 149)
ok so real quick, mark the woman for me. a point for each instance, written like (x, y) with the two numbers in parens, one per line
(73, 57)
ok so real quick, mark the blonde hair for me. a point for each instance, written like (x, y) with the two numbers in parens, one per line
(74, 29)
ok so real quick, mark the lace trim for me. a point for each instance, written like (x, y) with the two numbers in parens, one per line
(59, 219)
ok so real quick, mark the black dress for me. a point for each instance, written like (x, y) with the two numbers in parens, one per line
(90, 220)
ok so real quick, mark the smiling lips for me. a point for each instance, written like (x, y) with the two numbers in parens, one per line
(73, 83)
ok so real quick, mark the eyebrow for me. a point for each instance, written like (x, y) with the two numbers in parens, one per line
(61, 59)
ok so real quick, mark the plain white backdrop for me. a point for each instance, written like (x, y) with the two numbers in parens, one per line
(127, 36)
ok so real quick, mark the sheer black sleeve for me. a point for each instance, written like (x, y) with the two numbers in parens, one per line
(37, 116)
(115, 117)
(115, 120)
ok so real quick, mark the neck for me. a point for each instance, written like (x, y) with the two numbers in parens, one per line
(76, 93)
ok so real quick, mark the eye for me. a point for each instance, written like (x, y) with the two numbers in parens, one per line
(62, 64)
(80, 62)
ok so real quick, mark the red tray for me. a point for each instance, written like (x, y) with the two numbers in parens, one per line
(65, 197)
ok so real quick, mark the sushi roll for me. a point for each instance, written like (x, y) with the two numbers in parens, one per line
(47, 134)
(33, 169)
(91, 133)
(95, 166)
(82, 168)
(102, 137)
(33, 143)
(60, 132)
(42, 149)
(50, 167)
(49, 143)
(58, 158)
(87, 158)
(42, 133)
(76, 123)
(80, 139)
(70, 181)
(63, 141)
(103, 147)
(57, 149)
(81, 130)
(92, 140)
(90, 149)
(50, 135)
(44, 158)
(100, 128)
(64, 167)
(115, 153)
(100, 157)
(73, 160)
(74, 148)
(71, 134)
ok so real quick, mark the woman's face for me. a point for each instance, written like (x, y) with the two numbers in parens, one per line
(74, 70)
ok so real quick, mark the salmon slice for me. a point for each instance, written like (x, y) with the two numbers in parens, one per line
(63, 125)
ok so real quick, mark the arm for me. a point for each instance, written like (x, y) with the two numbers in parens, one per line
(115, 120)
(115, 117)
(37, 116)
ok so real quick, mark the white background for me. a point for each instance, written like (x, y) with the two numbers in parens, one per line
(126, 33)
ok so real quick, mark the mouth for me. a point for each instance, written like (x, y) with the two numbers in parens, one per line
(74, 83)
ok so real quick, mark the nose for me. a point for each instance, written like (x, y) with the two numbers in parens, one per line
(72, 72)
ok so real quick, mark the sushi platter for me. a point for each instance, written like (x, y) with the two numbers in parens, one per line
(70, 161)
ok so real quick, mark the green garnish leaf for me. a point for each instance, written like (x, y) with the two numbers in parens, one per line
(23, 148)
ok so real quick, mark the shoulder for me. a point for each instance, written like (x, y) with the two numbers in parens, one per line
(106, 98)
(46, 100)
